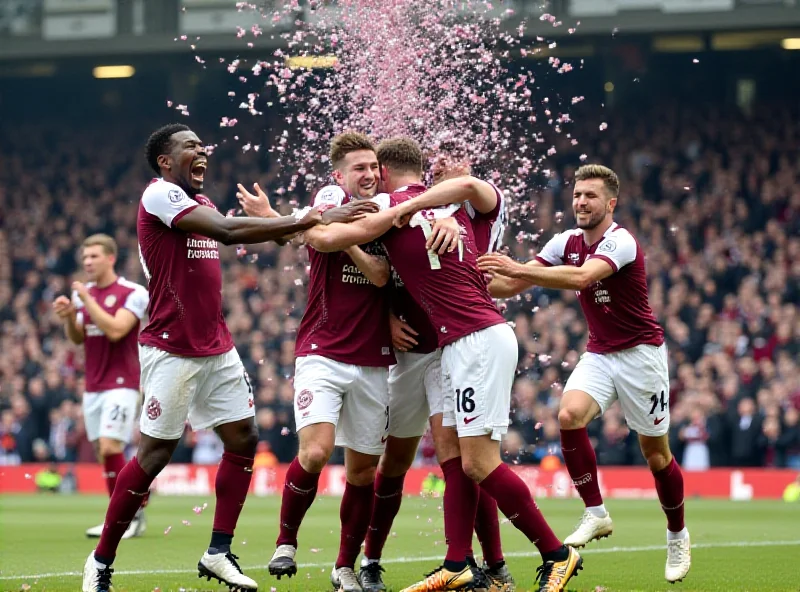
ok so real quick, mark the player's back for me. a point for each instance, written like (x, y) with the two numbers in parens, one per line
(184, 275)
(346, 317)
(112, 364)
(448, 287)
(489, 227)
(617, 309)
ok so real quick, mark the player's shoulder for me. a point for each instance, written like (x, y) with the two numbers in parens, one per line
(617, 235)
(384, 200)
(567, 236)
(159, 190)
(331, 196)
(130, 286)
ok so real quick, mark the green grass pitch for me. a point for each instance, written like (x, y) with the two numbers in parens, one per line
(737, 546)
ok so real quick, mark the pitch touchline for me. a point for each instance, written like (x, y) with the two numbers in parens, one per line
(138, 572)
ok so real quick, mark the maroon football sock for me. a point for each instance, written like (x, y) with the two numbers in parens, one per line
(112, 466)
(460, 507)
(582, 465)
(487, 527)
(132, 485)
(233, 480)
(386, 505)
(516, 503)
(299, 491)
(669, 485)
(355, 513)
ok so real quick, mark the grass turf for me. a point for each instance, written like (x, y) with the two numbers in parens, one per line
(742, 546)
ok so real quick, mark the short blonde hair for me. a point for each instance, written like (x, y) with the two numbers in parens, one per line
(109, 244)
(401, 154)
(348, 142)
(598, 171)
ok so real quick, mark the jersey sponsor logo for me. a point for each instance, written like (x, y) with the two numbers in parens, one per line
(175, 195)
(153, 409)
(608, 246)
(110, 301)
(352, 275)
(204, 248)
(304, 399)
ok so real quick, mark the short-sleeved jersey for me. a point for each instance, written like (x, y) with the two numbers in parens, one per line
(346, 317)
(184, 275)
(449, 287)
(112, 364)
(488, 230)
(617, 309)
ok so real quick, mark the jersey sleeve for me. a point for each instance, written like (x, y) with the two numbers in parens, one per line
(78, 304)
(617, 250)
(136, 302)
(329, 197)
(553, 252)
(167, 202)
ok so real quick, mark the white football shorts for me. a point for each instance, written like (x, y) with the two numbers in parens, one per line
(111, 414)
(478, 373)
(209, 392)
(415, 392)
(638, 377)
(353, 398)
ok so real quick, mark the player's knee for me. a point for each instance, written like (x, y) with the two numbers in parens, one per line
(474, 468)
(240, 438)
(572, 418)
(313, 456)
(657, 460)
(154, 460)
(361, 476)
(107, 447)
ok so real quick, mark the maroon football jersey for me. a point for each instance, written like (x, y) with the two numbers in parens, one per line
(617, 309)
(346, 317)
(490, 227)
(449, 288)
(112, 364)
(184, 275)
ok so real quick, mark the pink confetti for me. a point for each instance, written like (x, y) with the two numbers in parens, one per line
(285, 431)
(695, 61)
(186, 523)
(28, 476)
(603, 126)
(169, 103)
(538, 425)
(166, 532)
(314, 550)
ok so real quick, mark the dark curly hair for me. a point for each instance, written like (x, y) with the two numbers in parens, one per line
(160, 142)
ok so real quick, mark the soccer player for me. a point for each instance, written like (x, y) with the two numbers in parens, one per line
(626, 357)
(104, 317)
(479, 355)
(416, 398)
(189, 365)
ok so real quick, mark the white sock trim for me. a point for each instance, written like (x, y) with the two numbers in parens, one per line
(598, 511)
(675, 536)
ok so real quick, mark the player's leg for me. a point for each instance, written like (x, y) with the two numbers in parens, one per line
(171, 383)
(224, 402)
(482, 368)
(644, 397)
(319, 388)
(92, 408)
(588, 393)
(362, 430)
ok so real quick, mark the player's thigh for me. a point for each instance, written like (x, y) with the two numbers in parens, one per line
(364, 421)
(119, 413)
(225, 395)
(408, 404)
(92, 408)
(319, 388)
(170, 384)
(481, 368)
(593, 376)
(642, 382)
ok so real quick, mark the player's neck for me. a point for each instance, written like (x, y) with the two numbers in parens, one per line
(106, 280)
(592, 235)
(403, 181)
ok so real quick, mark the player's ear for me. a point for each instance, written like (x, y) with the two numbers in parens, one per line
(338, 176)
(164, 161)
(611, 205)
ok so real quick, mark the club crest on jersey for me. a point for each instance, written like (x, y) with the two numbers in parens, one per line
(110, 301)
(608, 246)
(574, 258)
(153, 409)
(175, 195)
(304, 399)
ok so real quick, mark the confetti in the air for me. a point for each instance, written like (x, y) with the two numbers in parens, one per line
(167, 530)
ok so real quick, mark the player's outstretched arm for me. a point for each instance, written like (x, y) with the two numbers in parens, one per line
(208, 222)
(374, 268)
(114, 327)
(559, 277)
(480, 194)
(503, 286)
(65, 309)
(338, 237)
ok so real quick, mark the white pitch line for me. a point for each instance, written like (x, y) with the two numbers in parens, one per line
(590, 551)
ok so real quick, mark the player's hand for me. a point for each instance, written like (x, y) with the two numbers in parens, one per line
(81, 289)
(63, 307)
(445, 236)
(312, 218)
(497, 264)
(255, 206)
(402, 334)
(350, 212)
(403, 213)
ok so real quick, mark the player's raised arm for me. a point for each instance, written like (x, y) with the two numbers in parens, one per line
(116, 326)
(338, 237)
(560, 277)
(480, 194)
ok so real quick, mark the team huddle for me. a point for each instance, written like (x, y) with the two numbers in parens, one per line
(400, 334)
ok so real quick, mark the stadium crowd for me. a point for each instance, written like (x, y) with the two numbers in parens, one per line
(711, 194)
